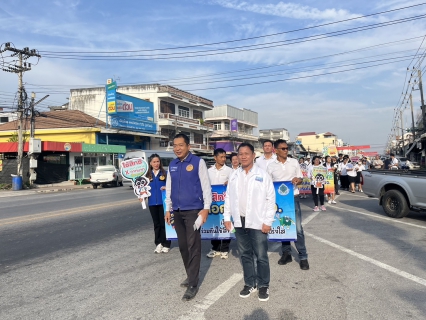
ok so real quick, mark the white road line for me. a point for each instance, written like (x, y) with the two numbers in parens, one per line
(198, 310)
(382, 265)
(380, 217)
(311, 217)
(364, 197)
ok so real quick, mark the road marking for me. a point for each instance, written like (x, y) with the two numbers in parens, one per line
(310, 218)
(382, 265)
(198, 310)
(364, 197)
(380, 217)
(53, 214)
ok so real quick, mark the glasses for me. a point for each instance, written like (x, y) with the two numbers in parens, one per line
(283, 149)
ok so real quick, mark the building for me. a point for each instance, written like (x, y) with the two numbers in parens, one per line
(315, 142)
(232, 126)
(174, 111)
(7, 116)
(274, 134)
(70, 146)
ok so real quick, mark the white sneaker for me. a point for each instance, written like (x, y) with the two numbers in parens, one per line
(165, 250)
(361, 191)
(316, 209)
(224, 255)
(159, 248)
(333, 202)
(213, 254)
(329, 201)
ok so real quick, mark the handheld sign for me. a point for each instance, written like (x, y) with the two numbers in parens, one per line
(135, 170)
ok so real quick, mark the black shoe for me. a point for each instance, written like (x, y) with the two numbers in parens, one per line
(264, 294)
(285, 258)
(304, 265)
(245, 293)
(190, 293)
(337, 193)
(184, 283)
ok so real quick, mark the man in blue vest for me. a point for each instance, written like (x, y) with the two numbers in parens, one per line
(188, 193)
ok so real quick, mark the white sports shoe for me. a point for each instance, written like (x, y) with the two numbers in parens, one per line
(333, 202)
(329, 201)
(158, 248)
(213, 254)
(224, 255)
(165, 250)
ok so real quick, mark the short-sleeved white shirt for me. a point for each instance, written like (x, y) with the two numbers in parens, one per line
(219, 176)
(286, 171)
(263, 163)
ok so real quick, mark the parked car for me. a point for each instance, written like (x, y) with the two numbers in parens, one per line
(413, 165)
(104, 175)
(398, 191)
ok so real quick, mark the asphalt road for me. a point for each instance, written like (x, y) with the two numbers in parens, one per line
(88, 254)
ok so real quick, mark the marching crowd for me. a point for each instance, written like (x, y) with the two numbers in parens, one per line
(249, 208)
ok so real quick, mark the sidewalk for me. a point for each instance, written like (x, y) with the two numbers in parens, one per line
(55, 187)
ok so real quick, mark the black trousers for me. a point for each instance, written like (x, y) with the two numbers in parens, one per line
(315, 195)
(221, 245)
(157, 214)
(189, 243)
(344, 182)
(336, 184)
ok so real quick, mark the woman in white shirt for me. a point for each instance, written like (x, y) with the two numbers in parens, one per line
(360, 166)
(316, 186)
(351, 171)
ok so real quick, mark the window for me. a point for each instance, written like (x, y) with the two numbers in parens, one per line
(198, 138)
(187, 133)
(167, 107)
(217, 125)
(226, 125)
(197, 114)
(184, 112)
(4, 119)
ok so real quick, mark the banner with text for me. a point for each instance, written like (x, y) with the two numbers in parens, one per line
(283, 227)
(305, 187)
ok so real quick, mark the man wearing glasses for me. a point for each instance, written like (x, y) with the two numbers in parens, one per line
(285, 168)
(189, 194)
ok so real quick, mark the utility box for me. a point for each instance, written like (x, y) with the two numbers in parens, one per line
(34, 146)
(33, 163)
(33, 176)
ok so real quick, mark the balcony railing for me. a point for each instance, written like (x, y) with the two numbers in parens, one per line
(184, 120)
(180, 93)
(169, 144)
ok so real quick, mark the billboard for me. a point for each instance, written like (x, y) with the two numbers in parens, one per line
(111, 97)
(133, 114)
(234, 125)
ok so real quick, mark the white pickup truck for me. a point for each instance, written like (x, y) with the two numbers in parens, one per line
(104, 175)
(399, 191)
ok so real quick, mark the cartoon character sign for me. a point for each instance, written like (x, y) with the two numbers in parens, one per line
(135, 170)
(319, 177)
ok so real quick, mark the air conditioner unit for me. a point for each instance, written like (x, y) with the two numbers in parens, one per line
(34, 146)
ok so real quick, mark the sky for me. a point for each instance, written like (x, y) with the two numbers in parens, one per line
(302, 65)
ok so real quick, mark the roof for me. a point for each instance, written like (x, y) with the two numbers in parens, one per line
(307, 134)
(328, 134)
(57, 119)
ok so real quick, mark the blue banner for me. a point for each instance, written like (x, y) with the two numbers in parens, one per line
(283, 227)
(111, 93)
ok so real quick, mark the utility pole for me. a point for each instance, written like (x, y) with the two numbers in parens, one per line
(412, 118)
(402, 132)
(20, 68)
(419, 72)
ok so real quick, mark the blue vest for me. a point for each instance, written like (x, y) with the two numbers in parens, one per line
(186, 193)
(156, 183)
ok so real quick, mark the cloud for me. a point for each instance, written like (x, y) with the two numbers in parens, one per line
(287, 10)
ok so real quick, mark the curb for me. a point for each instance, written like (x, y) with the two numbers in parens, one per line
(61, 189)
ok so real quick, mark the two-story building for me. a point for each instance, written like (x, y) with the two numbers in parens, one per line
(232, 126)
(174, 111)
(315, 142)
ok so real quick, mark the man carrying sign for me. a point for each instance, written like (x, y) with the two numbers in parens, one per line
(285, 168)
(250, 200)
(188, 193)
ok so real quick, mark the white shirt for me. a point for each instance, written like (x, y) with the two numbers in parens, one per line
(219, 176)
(243, 180)
(360, 167)
(260, 199)
(351, 173)
(286, 171)
(263, 163)
(342, 168)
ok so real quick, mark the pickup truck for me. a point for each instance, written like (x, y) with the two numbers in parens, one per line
(104, 175)
(398, 191)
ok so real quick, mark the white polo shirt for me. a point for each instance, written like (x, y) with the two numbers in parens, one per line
(219, 176)
(286, 171)
(263, 163)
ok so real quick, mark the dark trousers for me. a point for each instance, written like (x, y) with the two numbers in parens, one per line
(189, 243)
(157, 214)
(221, 245)
(344, 182)
(300, 243)
(315, 195)
(253, 243)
